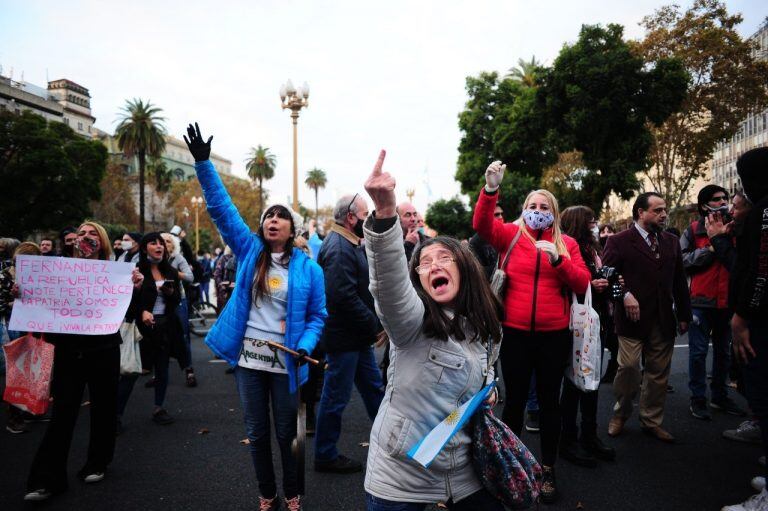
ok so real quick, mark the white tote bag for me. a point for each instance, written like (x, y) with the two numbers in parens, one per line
(584, 370)
(130, 358)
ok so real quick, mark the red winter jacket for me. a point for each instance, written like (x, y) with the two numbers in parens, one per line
(537, 295)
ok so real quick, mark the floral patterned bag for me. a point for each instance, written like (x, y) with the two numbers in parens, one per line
(503, 463)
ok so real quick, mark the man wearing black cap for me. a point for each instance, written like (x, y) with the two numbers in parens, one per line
(709, 298)
(749, 300)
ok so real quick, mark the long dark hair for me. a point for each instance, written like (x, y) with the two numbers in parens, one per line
(575, 223)
(145, 265)
(260, 287)
(475, 305)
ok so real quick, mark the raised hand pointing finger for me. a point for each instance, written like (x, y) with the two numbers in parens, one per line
(379, 163)
(381, 187)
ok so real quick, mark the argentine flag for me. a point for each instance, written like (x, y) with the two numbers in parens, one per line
(430, 446)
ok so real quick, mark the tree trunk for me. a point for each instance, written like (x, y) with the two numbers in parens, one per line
(317, 207)
(142, 163)
(261, 202)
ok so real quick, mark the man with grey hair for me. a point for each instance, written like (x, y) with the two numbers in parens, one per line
(349, 333)
(409, 221)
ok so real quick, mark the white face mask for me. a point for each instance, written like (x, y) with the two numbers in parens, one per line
(126, 245)
(595, 232)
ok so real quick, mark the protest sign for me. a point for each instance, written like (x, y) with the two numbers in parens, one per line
(70, 296)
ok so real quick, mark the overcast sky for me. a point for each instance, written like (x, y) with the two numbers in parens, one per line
(382, 75)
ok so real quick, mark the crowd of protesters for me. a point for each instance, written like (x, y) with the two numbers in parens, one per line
(380, 279)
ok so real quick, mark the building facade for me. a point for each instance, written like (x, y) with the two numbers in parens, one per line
(63, 101)
(753, 132)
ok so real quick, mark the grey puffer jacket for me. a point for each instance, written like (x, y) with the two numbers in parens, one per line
(427, 379)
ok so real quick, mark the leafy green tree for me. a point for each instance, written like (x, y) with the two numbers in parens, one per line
(316, 179)
(49, 174)
(161, 174)
(260, 166)
(450, 217)
(141, 132)
(600, 97)
(503, 121)
(728, 82)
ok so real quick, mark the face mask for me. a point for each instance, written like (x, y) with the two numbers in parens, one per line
(358, 229)
(596, 232)
(126, 245)
(536, 219)
(722, 209)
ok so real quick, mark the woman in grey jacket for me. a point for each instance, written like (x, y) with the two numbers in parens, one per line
(443, 324)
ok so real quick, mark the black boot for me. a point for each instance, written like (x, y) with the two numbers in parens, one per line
(593, 445)
(572, 451)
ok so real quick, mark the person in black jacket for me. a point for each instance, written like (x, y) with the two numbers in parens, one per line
(485, 253)
(157, 320)
(350, 331)
(80, 360)
(749, 280)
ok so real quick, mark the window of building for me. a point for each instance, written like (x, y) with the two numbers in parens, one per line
(89, 128)
(66, 121)
(79, 126)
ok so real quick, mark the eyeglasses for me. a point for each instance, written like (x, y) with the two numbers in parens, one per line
(442, 262)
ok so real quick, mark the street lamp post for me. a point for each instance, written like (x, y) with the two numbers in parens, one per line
(295, 99)
(196, 203)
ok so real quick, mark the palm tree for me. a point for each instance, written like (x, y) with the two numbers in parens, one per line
(525, 72)
(141, 132)
(315, 180)
(260, 166)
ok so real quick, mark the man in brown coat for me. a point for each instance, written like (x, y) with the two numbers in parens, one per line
(655, 306)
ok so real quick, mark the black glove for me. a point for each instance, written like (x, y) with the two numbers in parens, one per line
(300, 359)
(200, 150)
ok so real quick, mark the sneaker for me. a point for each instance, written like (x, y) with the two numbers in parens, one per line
(532, 424)
(272, 504)
(758, 483)
(548, 485)
(748, 431)
(38, 495)
(293, 504)
(699, 409)
(16, 425)
(161, 417)
(341, 465)
(728, 406)
(757, 502)
(95, 477)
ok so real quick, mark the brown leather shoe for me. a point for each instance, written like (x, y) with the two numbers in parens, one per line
(659, 434)
(616, 425)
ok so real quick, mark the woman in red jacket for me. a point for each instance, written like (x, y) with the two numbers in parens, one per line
(544, 266)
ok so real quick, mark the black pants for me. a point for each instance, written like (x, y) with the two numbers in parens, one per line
(71, 373)
(571, 400)
(755, 375)
(522, 352)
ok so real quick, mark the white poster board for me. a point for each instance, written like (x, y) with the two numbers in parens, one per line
(70, 296)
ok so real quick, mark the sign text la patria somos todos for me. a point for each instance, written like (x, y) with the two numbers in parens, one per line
(70, 296)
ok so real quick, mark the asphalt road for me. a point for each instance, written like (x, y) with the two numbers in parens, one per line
(198, 463)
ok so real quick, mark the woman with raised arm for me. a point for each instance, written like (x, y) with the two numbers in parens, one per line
(279, 296)
(443, 324)
(544, 266)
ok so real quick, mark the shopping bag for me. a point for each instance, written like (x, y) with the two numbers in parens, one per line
(28, 373)
(502, 462)
(130, 357)
(584, 369)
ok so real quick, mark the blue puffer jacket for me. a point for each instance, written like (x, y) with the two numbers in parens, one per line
(306, 313)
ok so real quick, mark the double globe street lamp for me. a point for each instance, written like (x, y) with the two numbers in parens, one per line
(295, 99)
(196, 203)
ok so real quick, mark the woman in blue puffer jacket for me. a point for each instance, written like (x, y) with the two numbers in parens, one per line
(279, 297)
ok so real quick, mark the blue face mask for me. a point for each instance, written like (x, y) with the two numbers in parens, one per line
(536, 219)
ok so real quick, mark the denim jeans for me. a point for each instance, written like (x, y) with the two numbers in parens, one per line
(344, 369)
(481, 500)
(706, 324)
(257, 389)
(755, 375)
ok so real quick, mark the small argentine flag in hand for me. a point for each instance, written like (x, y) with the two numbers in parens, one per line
(430, 446)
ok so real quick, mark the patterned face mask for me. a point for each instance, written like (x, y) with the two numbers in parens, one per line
(536, 219)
